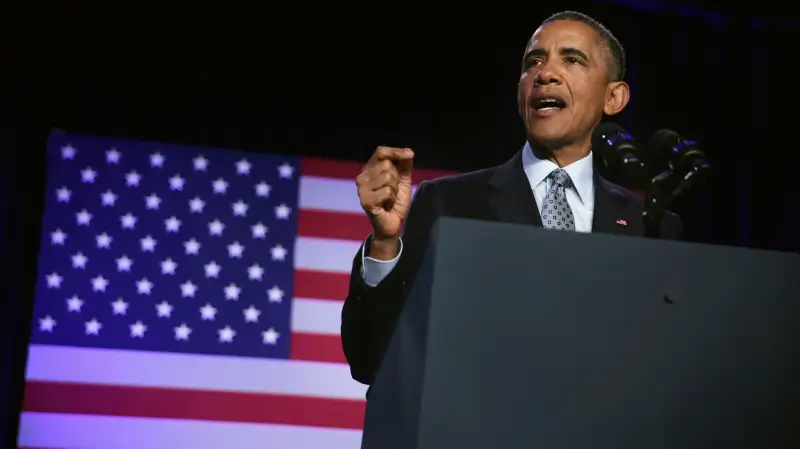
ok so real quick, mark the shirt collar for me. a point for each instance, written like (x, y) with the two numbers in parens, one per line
(581, 172)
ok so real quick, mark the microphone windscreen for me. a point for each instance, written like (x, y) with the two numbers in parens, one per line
(602, 131)
(661, 140)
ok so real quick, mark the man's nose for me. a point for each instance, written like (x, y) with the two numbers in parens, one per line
(547, 76)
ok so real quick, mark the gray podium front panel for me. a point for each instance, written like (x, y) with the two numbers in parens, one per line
(519, 337)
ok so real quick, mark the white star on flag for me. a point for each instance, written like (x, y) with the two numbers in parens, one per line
(259, 231)
(200, 163)
(152, 201)
(196, 205)
(124, 263)
(74, 303)
(192, 246)
(270, 336)
(47, 324)
(208, 312)
(157, 160)
(176, 183)
(144, 286)
(172, 224)
(54, 280)
(104, 240)
(263, 189)
(79, 260)
(275, 294)
(58, 237)
(93, 327)
(108, 198)
(282, 212)
(168, 266)
(212, 269)
(68, 152)
(286, 171)
(243, 167)
(113, 156)
(164, 309)
(251, 314)
(216, 227)
(182, 332)
(63, 194)
(132, 179)
(128, 221)
(88, 175)
(138, 329)
(119, 307)
(220, 186)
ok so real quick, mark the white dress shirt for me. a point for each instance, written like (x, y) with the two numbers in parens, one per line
(580, 198)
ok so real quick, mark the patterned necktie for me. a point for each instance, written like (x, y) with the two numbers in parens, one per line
(556, 213)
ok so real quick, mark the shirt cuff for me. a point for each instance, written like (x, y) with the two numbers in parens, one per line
(373, 271)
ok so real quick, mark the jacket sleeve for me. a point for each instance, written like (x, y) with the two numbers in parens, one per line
(369, 314)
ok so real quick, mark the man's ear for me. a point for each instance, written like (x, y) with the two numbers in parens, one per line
(617, 95)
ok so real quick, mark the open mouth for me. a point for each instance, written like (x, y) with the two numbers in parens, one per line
(545, 104)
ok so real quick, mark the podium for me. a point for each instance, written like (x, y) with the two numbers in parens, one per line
(519, 337)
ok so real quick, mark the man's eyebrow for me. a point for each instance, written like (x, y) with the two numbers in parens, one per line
(536, 52)
(564, 51)
(572, 51)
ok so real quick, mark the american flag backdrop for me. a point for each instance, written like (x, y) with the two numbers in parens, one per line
(191, 297)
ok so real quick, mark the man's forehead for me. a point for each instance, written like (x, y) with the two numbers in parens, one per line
(565, 33)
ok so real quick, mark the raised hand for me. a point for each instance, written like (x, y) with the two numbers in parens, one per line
(384, 188)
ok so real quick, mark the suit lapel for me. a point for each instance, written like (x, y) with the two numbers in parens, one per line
(511, 196)
(610, 211)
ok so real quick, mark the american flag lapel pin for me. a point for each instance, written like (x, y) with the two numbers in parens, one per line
(622, 222)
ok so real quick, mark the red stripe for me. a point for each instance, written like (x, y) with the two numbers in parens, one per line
(333, 225)
(328, 168)
(321, 285)
(206, 405)
(317, 348)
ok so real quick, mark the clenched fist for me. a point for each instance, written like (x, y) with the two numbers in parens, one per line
(384, 188)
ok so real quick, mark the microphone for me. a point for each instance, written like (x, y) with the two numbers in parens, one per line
(619, 151)
(683, 156)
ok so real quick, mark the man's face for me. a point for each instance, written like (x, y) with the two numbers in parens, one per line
(564, 88)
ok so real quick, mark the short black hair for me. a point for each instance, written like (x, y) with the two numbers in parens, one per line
(617, 72)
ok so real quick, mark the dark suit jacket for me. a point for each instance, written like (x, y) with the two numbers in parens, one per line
(500, 193)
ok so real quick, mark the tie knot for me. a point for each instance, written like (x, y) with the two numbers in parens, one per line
(560, 177)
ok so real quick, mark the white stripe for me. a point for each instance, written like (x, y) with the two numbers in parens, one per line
(312, 253)
(337, 195)
(317, 316)
(52, 430)
(203, 372)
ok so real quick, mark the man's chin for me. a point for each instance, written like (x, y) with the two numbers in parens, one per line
(546, 140)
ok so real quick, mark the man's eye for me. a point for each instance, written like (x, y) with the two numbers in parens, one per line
(573, 60)
(533, 62)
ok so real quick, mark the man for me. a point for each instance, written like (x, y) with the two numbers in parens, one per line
(572, 74)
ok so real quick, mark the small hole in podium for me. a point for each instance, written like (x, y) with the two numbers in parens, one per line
(668, 300)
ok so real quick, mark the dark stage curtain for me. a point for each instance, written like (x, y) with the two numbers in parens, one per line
(446, 89)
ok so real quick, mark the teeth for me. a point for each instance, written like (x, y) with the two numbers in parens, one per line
(549, 103)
